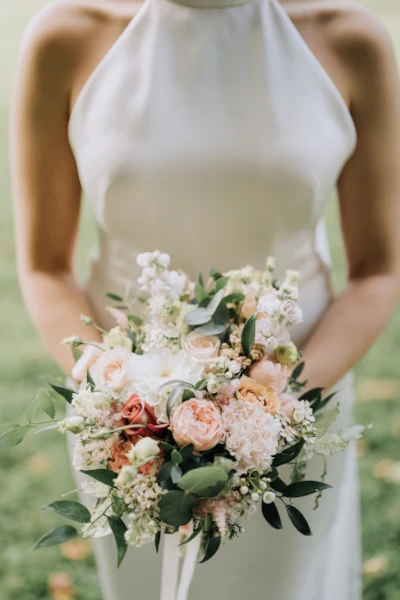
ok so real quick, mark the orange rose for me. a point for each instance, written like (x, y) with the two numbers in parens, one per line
(251, 391)
(137, 412)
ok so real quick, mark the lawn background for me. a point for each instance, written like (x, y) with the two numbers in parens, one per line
(37, 472)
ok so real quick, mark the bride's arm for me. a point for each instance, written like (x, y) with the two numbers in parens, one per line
(369, 197)
(46, 189)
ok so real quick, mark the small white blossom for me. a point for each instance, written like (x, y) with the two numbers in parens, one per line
(269, 497)
(74, 424)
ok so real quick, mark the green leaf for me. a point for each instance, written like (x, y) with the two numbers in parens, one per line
(118, 505)
(205, 482)
(249, 334)
(66, 393)
(187, 394)
(298, 370)
(70, 510)
(186, 451)
(12, 437)
(191, 537)
(221, 283)
(288, 454)
(176, 457)
(212, 547)
(174, 397)
(76, 353)
(271, 515)
(132, 336)
(214, 303)
(234, 298)
(46, 403)
(198, 316)
(59, 535)
(176, 508)
(165, 471)
(324, 402)
(304, 488)
(103, 475)
(134, 319)
(30, 411)
(298, 520)
(176, 473)
(200, 279)
(90, 381)
(114, 297)
(201, 383)
(118, 528)
(157, 541)
(7, 426)
(200, 292)
(278, 485)
(211, 328)
(312, 394)
(215, 274)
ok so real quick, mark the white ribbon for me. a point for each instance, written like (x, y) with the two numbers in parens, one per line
(173, 587)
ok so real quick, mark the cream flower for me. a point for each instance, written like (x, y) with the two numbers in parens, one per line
(110, 369)
(202, 349)
(251, 435)
(197, 422)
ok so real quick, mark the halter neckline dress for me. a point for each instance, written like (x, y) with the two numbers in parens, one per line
(211, 131)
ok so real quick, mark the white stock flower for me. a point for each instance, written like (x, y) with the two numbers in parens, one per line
(149, 371)
(291, 312)
(269, 304)
(251, 435)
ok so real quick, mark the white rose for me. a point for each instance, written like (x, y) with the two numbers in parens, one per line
(73, 424)
(203, 349)
(145, 449)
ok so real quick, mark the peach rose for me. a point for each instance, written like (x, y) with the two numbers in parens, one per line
(252, 391)
(249, 306)
(269, 373)
(288, 404)
(197, 422)
(111, 369)
(85, 362)
(136, 412)
(202, 349)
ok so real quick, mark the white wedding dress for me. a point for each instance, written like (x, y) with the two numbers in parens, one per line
(210, 131)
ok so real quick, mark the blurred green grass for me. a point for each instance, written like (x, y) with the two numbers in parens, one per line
(38, 472)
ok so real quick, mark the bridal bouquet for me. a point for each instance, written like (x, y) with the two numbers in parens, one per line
(188, 409)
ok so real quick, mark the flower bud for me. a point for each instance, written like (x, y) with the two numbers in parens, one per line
(286, 355)
(269, 497)
(73, 424)
(126, 476)
(244, 490)
(145, 449)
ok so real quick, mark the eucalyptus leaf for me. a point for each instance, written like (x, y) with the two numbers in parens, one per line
(12, 437)
(46, 403)
(176, 508)
(234, 298)
(271, 515)
(103, 475)
(186, 451)
(56, 536)
(165, 471)
(30, 411)
(200, 292)
(66, 393)
(136, 320)
(198, 316)
(304, 488)
(298, 520)
(214, 303)
(118, 528)
(176, 473)
(249, 334)
(205, 482)
(70, 510)
(215, 274)
(187, 395)
(221, 283)
(176, 457)
(211, 328)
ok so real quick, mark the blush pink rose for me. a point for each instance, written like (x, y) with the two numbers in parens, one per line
(111, 368)
(249, 306)
(269, 373)
(288, 404)
(197, 422)
(85, 362)
(202, 349)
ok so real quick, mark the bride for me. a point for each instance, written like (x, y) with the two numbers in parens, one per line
(215, 130)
